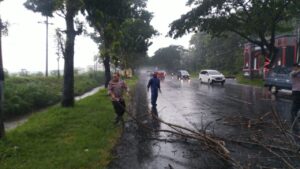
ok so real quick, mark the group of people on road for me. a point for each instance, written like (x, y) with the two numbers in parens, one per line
(117, 87)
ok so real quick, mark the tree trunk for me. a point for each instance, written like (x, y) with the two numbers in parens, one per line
(107, 69)
(106, 60)
(68, 88)
(2, 130)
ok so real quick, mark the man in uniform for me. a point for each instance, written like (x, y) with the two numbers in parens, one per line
(154, 83)
(116, 88)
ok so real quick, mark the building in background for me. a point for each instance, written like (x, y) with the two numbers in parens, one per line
(256, 65)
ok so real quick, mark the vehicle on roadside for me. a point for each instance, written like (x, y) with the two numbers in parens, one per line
(211, 76)
(278, 78)
(161, 74)
(150, 73)
(183, 75)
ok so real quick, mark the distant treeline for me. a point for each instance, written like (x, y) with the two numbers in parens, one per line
(223, 53)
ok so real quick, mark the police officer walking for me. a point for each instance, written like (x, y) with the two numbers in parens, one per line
(154, 83)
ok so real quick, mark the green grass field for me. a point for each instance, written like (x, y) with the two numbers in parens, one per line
(64, 138)
(253, 82)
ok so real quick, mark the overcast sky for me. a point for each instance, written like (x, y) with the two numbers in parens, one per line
(166, 11)
(24, 47)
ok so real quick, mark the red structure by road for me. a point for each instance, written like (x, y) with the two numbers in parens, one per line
(256, 65)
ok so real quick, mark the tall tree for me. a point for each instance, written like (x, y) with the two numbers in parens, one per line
(2, 130)
(134, 40)
(222, 53)
(3, 29)
(257, 21)
(60, 47)
(69, 9)
(105, 16)
(168, 58)
(112, 19)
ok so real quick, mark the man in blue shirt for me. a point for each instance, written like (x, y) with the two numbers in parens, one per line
(154, 83)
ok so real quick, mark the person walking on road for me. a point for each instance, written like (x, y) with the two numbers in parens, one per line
(295, 76)
(116, 88)
(154, 83)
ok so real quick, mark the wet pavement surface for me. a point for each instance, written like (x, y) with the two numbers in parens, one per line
(228, 111)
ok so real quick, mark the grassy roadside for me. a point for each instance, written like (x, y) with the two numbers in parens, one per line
(194, 75)
(252, 82)
(31, 93)
(64, 138)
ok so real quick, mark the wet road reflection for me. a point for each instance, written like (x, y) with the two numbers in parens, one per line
(200, 107)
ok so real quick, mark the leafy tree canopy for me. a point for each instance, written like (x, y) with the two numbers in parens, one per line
(169, 57)
(222, 53)
(46, 8)
(245, 17)
(103, 12)
(124, 28)
(258, 21)
(134, 39)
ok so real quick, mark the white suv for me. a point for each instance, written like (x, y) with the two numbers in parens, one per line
(211, 76)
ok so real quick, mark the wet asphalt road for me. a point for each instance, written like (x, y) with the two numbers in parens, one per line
(196, 106)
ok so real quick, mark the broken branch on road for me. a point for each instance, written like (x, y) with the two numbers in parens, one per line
(280, 144)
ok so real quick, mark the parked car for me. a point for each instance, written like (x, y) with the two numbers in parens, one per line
(211, 76)
(183, 74)
(278, 78)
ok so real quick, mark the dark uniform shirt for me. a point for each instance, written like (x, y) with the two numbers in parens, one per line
(154, 83)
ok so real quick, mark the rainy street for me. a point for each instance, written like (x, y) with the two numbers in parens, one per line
(220, 110)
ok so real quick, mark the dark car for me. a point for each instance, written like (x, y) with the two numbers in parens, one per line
(278, 78)
(183, 74)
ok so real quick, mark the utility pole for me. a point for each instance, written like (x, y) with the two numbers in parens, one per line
(298, 41)
(47, 26)
(46, 22)
(2, 130)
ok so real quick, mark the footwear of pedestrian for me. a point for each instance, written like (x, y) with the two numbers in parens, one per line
(118, 119)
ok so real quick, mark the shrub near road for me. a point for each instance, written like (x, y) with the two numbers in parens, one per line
(65, 138)
(26, 94)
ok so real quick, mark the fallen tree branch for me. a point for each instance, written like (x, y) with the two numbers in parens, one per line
(260, 145)
(215, 146)
(282, 142)
(282, 158)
